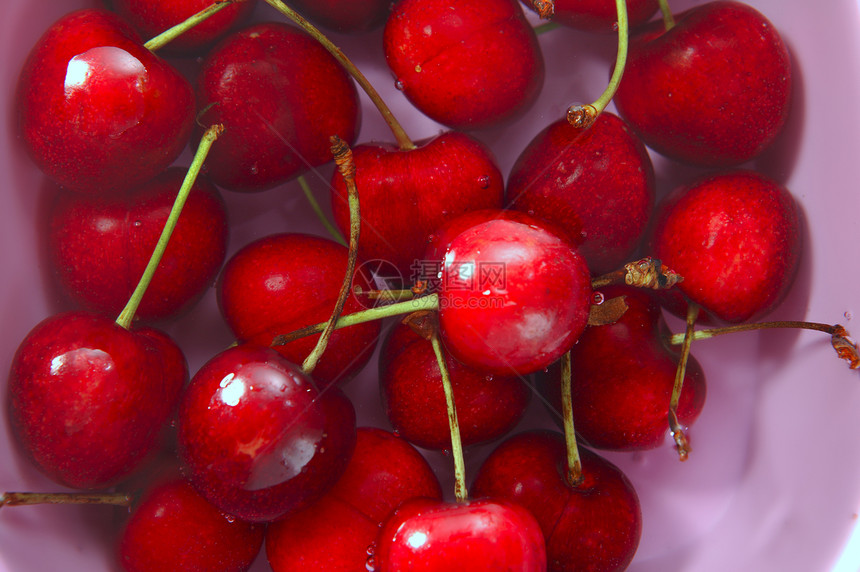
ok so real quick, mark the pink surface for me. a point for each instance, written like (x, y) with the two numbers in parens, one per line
(773, 482)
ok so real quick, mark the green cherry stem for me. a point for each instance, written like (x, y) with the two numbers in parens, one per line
(345, 164)
(584, 116)
(127, 315)
(668, 19)
(403, 140)
(19, 499)
(460, 491)
(315, 205)
(574, 464)
(171, 34)
(682, 445)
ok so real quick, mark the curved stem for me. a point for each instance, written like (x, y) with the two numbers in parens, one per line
(460, 491)
(584, 116)
(574, 464)
(682, 445)
(315, 205)
(668, 19)
(400, 135)
(171, 34)
(127, 315)
(346, 166)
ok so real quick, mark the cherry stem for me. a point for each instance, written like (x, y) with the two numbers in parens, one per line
(584, 116)
(19, 499)
(668, 19)
(403, 140)
(644, 273)
(171, 34)
(460, 491)
(345, 164)
(430, 302)
(384, 295)
(840, 339)
(544, 8)
(574, 465)
(682, 445)
(127, 315)
(545, 27)
(315, 205)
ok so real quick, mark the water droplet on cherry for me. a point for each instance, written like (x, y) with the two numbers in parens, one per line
(597, 298)
(398, 85)
(484, 181)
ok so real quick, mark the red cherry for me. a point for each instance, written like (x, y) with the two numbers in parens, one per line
(284, 282)
(98, 111)
(514, 297)
(100, 246)
(280, 96)
(714, 90)
(488, 406)
(468, 65)
(598, 15)
(89, 400)
(407, 195)
(593, 526)
(597, 184)
(257, 438)
(384, 471)
(152, 18)
(345, 16)
(622, 375)
(174, 528)
(735, 238)
(477, 535)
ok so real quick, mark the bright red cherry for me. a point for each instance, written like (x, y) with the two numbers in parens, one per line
(714, 90)
(514, 297)
(257, 439)
(468, 65)
(99, 112)
(284, 282)
(100, 246)
(174, 528)
(597, 184)
(598, 15)
(593, 526)
(280, 96)
(478, 535)
(735, 238)
(89, 400)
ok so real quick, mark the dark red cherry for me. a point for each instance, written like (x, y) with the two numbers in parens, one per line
(284, 282)
(100, 246)
(89, 400)
(345, 16)
(280, 96)
(514, 297)
(593, 526)
(597, 184)
(488, 405)
(468, 65)
(480, 535)
(257, 439)
(597, 15)
(98, 112)
(174, 528)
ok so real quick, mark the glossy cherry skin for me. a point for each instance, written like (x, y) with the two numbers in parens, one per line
(622, 375)
(488, 406)
(280, 96)
(735, 237)
(89, 400)
(384, 471)
(470, 65)
(152, 18)
(345, 16)
(715, 90)
(483, 534)
(97, 111)
(598, 184)
(407, 195)
(594, 526)
(174, 528)
(100, 246)
(284, 282)
(597, 15)
(514, 297)
(256, 437)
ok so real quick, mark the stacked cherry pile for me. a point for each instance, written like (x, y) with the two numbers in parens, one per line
(551, 277)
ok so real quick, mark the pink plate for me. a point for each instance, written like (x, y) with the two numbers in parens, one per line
(773, 482)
